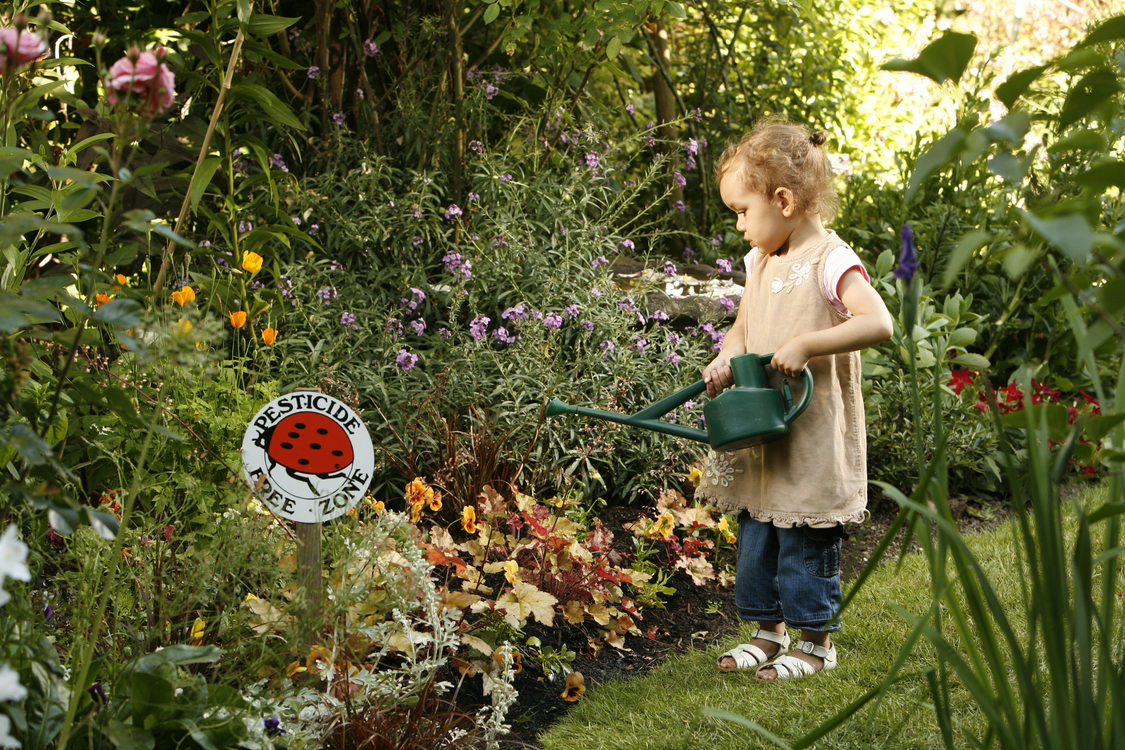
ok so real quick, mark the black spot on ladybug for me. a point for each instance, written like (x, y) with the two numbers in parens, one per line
(313, 443)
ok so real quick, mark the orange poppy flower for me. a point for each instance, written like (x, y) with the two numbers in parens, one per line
(237, 318)
(269, 335)
(184, 296)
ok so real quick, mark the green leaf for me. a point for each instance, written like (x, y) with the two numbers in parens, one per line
(938, 155)
(262, 24)
(1091, 90)
(963, 337)
(675, 9)
(1101, 176)
(1111, 30)
(18, 311)
(1098, 427)
(1079, 140)
(972, 361)
(613, 48)
(202, 178)
(1017, 84)
(492, 12)
(126, 736)
(1071, 233)
(120, 312)
(32, 448)
(943, 59)
(1017, 259)
(1006, 165)
(104, 525)
(962, 251)
(276, 109)
(243, 11)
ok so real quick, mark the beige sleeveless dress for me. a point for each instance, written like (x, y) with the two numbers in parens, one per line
(817, 475)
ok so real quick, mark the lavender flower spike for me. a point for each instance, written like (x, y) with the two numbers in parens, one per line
(908, 261)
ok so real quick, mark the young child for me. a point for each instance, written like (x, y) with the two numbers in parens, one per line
(808, 300)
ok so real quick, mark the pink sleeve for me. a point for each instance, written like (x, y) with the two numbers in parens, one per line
(839, 262)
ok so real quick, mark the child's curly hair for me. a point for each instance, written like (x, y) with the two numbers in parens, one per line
(778, 153)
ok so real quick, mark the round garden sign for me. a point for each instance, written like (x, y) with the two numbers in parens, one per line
(308, 457)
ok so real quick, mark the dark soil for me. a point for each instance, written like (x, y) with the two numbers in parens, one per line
(694, 617)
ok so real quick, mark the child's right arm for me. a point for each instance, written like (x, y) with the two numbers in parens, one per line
(718, 374)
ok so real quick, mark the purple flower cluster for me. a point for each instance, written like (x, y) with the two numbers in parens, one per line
(313, 71)
(277, 162)
(406, 359)
(502, 336)
(553, 320)
(458, 266)
(285, 286)
(679, 179)
(670, 268)
(601, 260)
(478, 326)
(348, 321)
(417, 296)
(370, 48)
(394, 328)
(339, 118)
(476, 147)
(453, 211)
(723, 264)
(327, 294)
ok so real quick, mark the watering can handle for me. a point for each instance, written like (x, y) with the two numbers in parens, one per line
(806, 396)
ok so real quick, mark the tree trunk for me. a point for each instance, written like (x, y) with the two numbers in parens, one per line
(665, 102)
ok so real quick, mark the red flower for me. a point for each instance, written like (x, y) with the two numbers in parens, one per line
(1044, 393)
(1009, 398)
(1097, 407)
(960, 379)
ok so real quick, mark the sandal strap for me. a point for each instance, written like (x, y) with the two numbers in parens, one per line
(782, 638)
(788, 667)
(813, 649)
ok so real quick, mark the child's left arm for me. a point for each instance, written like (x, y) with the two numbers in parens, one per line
(870, 324)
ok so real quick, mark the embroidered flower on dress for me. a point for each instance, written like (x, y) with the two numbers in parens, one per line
(718, 469)
(798, 274)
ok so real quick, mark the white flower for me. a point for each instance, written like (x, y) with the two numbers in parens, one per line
(718, 469)
(10, 687)
(7, 740)
(776, 285)
(13, 556)
(799, 272)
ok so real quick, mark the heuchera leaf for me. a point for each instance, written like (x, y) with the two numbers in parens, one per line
(943, 59)
(525, 601)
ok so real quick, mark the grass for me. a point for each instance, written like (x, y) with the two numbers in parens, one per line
(663, 710)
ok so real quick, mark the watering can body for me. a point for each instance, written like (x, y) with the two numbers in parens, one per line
(751, 412)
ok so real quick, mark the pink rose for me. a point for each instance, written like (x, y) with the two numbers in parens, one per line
(18, 48)
(144, 74)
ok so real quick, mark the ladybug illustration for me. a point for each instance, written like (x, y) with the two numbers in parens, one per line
(308, 443)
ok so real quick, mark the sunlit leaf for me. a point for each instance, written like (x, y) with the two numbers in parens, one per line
(943, 59)
(1085, 95)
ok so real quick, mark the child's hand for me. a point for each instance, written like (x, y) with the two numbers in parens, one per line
(718, 375)
(791, 359)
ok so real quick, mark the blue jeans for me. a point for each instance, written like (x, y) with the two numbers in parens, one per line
(788, 575)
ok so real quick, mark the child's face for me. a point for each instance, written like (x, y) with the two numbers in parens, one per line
(765, 223)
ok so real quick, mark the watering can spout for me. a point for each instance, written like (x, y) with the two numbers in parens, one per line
(647, 418)
(556, 407)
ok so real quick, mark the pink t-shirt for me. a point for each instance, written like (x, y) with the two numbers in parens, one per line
(838, 262)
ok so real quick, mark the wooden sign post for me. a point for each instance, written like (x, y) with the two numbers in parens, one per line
(309, 458)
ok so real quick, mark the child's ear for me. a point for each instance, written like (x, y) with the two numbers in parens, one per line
(785, 200)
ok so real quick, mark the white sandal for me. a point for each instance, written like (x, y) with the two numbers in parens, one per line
(788, 666)
(749, 656)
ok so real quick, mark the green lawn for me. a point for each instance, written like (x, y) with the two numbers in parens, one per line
(663, 710)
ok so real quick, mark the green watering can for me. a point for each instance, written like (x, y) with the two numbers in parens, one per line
(751, 412)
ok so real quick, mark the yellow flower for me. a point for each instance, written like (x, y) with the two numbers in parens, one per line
(101, 297)
(575, 687)
(197, 632)
(184, 296)
(184, 325)
(724, 524)
(511, 571)
(433, 499)
(663, 527)
(695, 475)
(469, 519)
(251, 261)
(506, 653)
(729, 537)
(269, 335)
(238, 318)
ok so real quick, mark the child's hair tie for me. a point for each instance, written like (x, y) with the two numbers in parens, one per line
(818, 138)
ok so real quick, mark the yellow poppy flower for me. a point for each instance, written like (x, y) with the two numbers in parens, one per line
(269, 335)
(184, 296)
(238, 318)
(251, 261)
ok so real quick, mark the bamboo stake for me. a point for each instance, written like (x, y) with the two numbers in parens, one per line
(166, 258)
